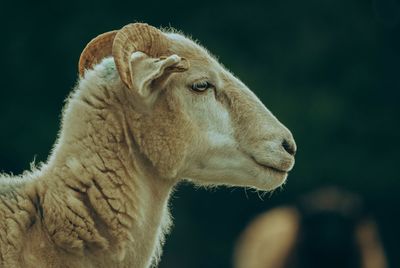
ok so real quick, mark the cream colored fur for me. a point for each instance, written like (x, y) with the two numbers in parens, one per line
(101, 200)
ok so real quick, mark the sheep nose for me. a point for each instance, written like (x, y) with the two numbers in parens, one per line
(289, 146)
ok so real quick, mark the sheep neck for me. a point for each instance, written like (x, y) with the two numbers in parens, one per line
(100, 167)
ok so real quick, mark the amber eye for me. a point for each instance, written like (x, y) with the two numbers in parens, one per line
(201, 86)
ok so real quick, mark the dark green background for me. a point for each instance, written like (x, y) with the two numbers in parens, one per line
(328, 69)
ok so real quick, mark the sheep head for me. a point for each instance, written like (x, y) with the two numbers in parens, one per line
(195, 120)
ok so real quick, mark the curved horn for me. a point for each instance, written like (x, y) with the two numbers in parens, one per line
(97, 49)
(137, 37)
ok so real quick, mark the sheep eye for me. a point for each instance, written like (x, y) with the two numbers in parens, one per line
(201, 86)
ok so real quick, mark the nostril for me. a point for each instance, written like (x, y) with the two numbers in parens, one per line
(289, 147)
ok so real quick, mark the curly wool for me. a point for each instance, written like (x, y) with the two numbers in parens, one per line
(85, 200)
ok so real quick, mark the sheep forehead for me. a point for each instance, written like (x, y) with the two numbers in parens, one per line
(202, 62)
(212, 117)
(225, 81)
(185, 47)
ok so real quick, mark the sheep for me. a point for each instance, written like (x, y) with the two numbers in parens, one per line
(151, 108)
(327, 228)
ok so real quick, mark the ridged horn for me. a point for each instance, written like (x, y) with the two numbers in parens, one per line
(97, 49)
(137, 37)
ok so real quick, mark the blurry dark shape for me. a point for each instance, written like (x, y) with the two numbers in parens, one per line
(327, 228)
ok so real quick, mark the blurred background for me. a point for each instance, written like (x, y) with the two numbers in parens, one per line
(328, 69)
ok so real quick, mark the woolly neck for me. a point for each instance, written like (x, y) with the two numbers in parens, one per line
(99, 194)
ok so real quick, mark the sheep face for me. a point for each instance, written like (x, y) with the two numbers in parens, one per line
(204, 124)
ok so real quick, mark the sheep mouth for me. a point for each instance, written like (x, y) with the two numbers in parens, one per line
(267, 167)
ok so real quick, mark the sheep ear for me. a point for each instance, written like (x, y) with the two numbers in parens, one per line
(148, 74)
